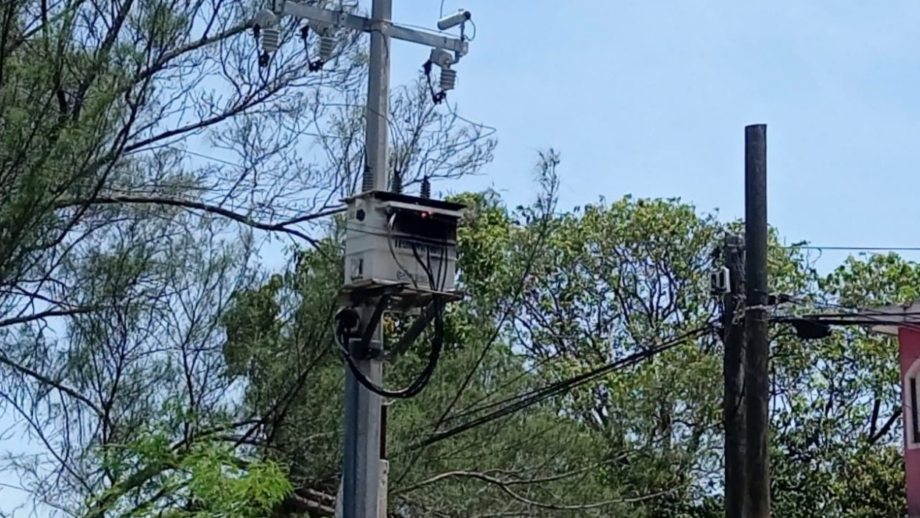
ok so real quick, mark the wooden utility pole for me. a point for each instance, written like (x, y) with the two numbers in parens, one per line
(733, 368)
(757, 373)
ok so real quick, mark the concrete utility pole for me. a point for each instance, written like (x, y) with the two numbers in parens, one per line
(361, 474)
(364, 470)
(378, 99)
(733, 367)
(757, 371)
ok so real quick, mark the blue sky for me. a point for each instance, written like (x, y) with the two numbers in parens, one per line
(650, 98)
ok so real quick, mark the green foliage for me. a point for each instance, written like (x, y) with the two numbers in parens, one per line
(252, 327)
(150, 365)
(154, 477)
(554, 296)
(220, 488)
(138, 401)
(873, 281)
(279, 340)
(483, 241)
(836, 419)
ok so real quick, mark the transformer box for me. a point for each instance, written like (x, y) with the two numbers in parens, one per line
(404, 244)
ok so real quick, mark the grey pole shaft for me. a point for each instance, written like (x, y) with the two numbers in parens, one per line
(362, 463)
(757, 373)
(361, 470)
(733, 367)
(378, 99)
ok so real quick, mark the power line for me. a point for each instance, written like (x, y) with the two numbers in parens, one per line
(472, 407)
(526, 400)
(854, 319)
(473, 25)
(588, 376)
(472, 372)
(856, 248)
(206, 157)
(491, 129)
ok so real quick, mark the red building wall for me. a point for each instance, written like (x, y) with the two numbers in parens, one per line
(909, 353)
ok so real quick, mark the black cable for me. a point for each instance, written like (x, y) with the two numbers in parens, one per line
(845, 315)
(816, 325)
(855, 317)
(436, 97)
(421, 381)
(427, 267)
(442, 268)
(857, 248)
(846, 321)
(437, 346)
(472, 408)
(473, 25)
(590, 374)
(531, 400)
(536, 396)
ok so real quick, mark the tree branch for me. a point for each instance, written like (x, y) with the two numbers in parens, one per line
(41, 378)
(885, 427)
(46, 314)
(283, 226)
(195, 45)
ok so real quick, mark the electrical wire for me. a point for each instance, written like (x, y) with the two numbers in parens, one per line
(453, 111)
(849, 320)
(473, 25)
(855, 314)
(590, 374)
(539, 395)
(437, 347)
(492, 339)
(847, 316)
(396, 260)
(472, 372)
(519, 290)
(472, 407)
(432, 281)
(436, 97)
(422, 380)
(873, 317)
(523, 401)
(206, 157)
(856, 248)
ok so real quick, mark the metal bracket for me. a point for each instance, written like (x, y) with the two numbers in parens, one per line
(358, 350)
(360, 296)
(360, 23)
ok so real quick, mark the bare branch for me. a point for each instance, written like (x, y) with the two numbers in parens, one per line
(885, 428)
(24, 319)
(283, 226)
(50, 382)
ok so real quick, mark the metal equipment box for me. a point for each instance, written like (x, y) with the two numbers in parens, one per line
(403, 242)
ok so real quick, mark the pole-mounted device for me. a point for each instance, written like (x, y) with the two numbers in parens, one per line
(400, 250)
